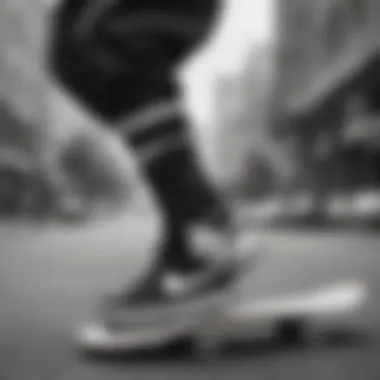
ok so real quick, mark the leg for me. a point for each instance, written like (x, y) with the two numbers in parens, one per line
(118, 60)
(186, 198)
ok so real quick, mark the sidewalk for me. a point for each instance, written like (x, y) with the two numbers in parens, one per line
(358, 212)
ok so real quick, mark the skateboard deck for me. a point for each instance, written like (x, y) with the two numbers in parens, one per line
(241, 319)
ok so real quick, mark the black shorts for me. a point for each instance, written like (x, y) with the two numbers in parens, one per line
(115, 56)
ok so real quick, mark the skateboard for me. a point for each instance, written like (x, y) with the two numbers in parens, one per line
(287, 316)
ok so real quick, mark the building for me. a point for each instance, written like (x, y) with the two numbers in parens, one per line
(247, 154)
(227, 140)
(28, 132)
(22, 81)
(327, 92)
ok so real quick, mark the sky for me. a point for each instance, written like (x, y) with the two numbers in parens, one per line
(243, 24)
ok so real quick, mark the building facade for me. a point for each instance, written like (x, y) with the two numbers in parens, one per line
(23, 87)
(327, 91)
(248, 157)
(27, 129)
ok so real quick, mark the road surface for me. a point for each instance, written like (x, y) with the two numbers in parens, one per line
(51, 277)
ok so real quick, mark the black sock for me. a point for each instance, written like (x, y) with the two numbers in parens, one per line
(182, 190)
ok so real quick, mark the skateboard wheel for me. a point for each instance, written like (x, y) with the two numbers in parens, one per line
(207, 348)
(292, 332)
(180, 347)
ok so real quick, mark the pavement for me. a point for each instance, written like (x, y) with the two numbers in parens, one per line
(52, 276)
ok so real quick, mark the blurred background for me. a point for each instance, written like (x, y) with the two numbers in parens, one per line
(56, 162)
(283, 98)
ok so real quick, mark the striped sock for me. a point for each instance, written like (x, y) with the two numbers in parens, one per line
(166, 152)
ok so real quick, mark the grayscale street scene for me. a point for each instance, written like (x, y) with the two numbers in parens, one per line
(98, 181)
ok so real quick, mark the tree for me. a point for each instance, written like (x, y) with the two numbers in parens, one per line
(92, 169)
